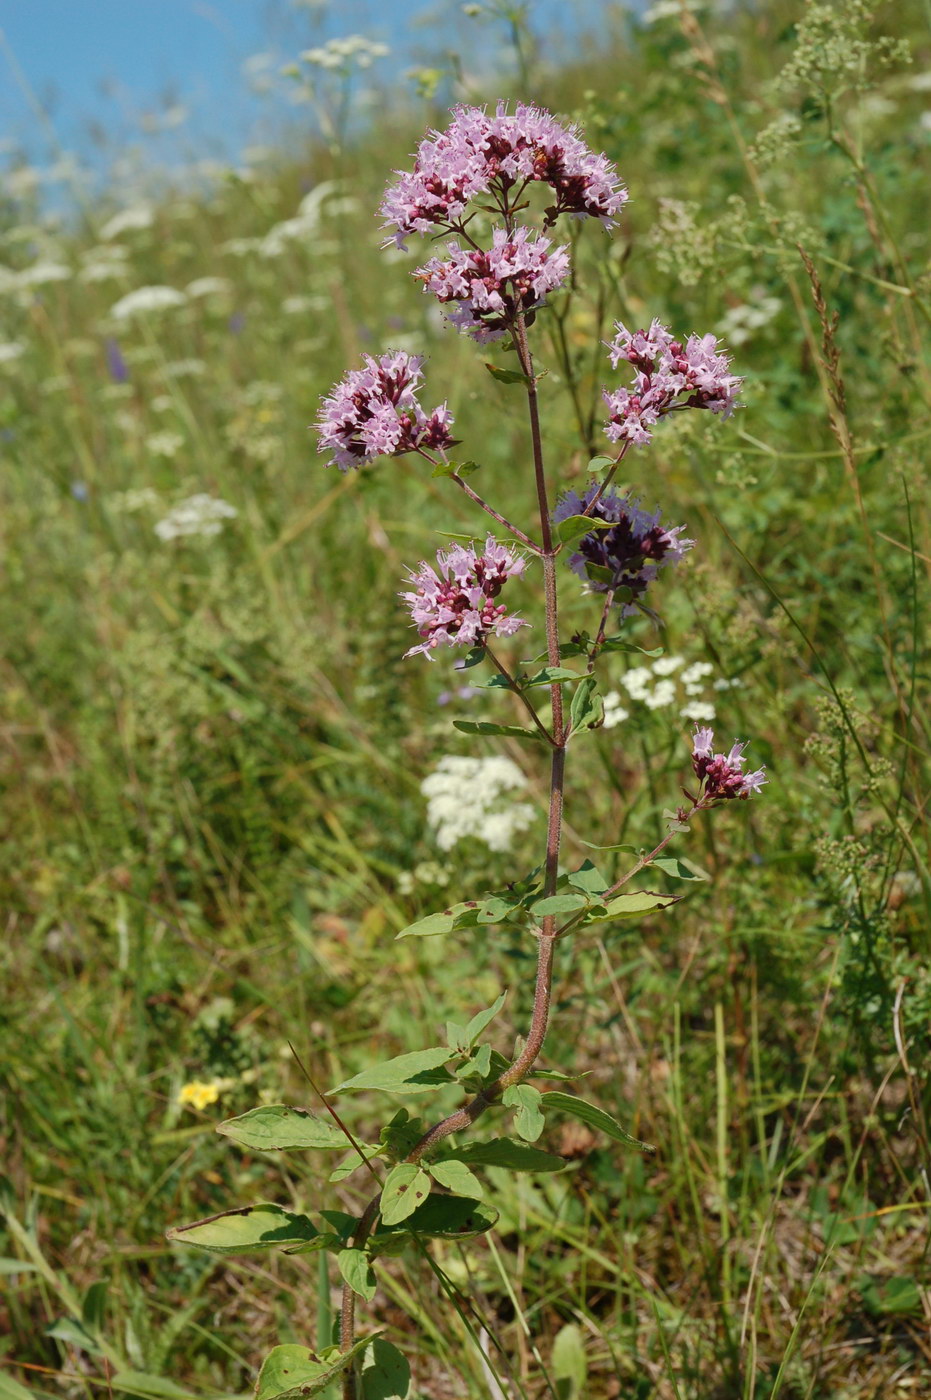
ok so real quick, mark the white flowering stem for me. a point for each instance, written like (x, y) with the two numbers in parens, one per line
(521, 695)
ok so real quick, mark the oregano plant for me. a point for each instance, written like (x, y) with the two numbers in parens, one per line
(472, 184)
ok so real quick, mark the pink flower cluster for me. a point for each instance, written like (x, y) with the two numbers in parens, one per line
(374, 412)
(490, 288)
(668, 376)
(454, 605)
(721, 775)
(633, 550)
(479, 154)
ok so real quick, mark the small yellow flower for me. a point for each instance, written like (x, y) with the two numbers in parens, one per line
(198, 1095)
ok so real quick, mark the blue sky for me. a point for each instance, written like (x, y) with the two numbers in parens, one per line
(97, 67)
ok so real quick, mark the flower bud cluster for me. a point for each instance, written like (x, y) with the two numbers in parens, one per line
(489, 289)
(454, 604)
(374, 412)
(480, 154)
(668, 376)
(633, 551)
(721, 775)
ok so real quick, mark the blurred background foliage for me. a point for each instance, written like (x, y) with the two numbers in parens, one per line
(211, 751)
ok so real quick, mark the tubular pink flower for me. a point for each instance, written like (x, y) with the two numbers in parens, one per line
(374, 412)
(667, 377)
(489, 289)
(633, 551)
(721, 775)
(454, 604)
(478, 154)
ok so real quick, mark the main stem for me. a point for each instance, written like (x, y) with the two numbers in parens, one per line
(523, 1063)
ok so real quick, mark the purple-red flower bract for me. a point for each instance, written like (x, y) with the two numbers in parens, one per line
(487, 290)
(374, 412)
(478, 153)
(668, 376)
(633, 551)
(721, 775)
(454, 604)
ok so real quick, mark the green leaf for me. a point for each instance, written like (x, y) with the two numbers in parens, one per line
(68, 1329)
(622, 846)
(9, 1267)
(507, 731)
(353, 1161)
(506, 376)
(587, 709)
(440, 1217)
(496, 908)
(457, 916)
(559, 904)
(589, 878)
(528, 1120)
(501, 1152)
(356, 1269)
(456, 1177)
(415, 1073)
(12, 1389)
(455, 468)
(480, 1020)
(294, 1373)
(276, 1127)
(473, 656)
(679, 869)
(889, 1296)
(93, 1306)
(576, 527)
(600, 464)
(570, 1369)
(629, 906)
(592, 1117)
(246, 1231)
(386, 1374)
(406, 1187)
(621, 644)
(550, 675)
(598, 573)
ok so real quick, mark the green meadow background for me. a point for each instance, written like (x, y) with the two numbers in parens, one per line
(211, 750)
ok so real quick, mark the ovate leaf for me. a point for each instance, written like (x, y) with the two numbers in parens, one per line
(570, 1369)
(506, 376)
(294, 1372)
(576, 527)
(414, 1073)
(277, 1127)
(507, 731)
(528, 1120)
(455, 468)
(456, 1177)
(589, 879)
(386, 1374)
(249, 1230)
(679, 869)
(440, 1217)
(464, 915)
(406, 1187)
(592, 1117)
(559, 904)
(356, 1269)
(630, 906)
(587, 709)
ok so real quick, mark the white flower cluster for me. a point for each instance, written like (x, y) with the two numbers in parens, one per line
(340, 53)
(104, 262)
(664, 684)
(10, 350)
(137, 216)
(470, 797)
(146, 299)
(739, 323)
(136, 498)
(198, 515)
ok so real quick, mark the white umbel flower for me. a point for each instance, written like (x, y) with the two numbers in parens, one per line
(471, 797)
(198, 515)
(147, 299)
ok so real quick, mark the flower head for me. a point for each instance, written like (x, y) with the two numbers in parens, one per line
(472, 797)
(667, 376)
(628, 556)
(478, 153)
(374, 412)
(197, 515)
(487, 290)
(721, 775)
(454, 604)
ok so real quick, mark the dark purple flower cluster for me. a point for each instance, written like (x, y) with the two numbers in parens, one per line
(631, 553)
(374, 412)
(489, 289)
(721, 775)
(668, 376)
(454, 604)
(479, 153)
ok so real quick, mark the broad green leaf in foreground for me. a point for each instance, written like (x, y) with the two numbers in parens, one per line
(247, 1231)
(289, 1372)
(593, 1117)
(386, 1374)
(406, 1187)
(277, 1127)
(415, 1073)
